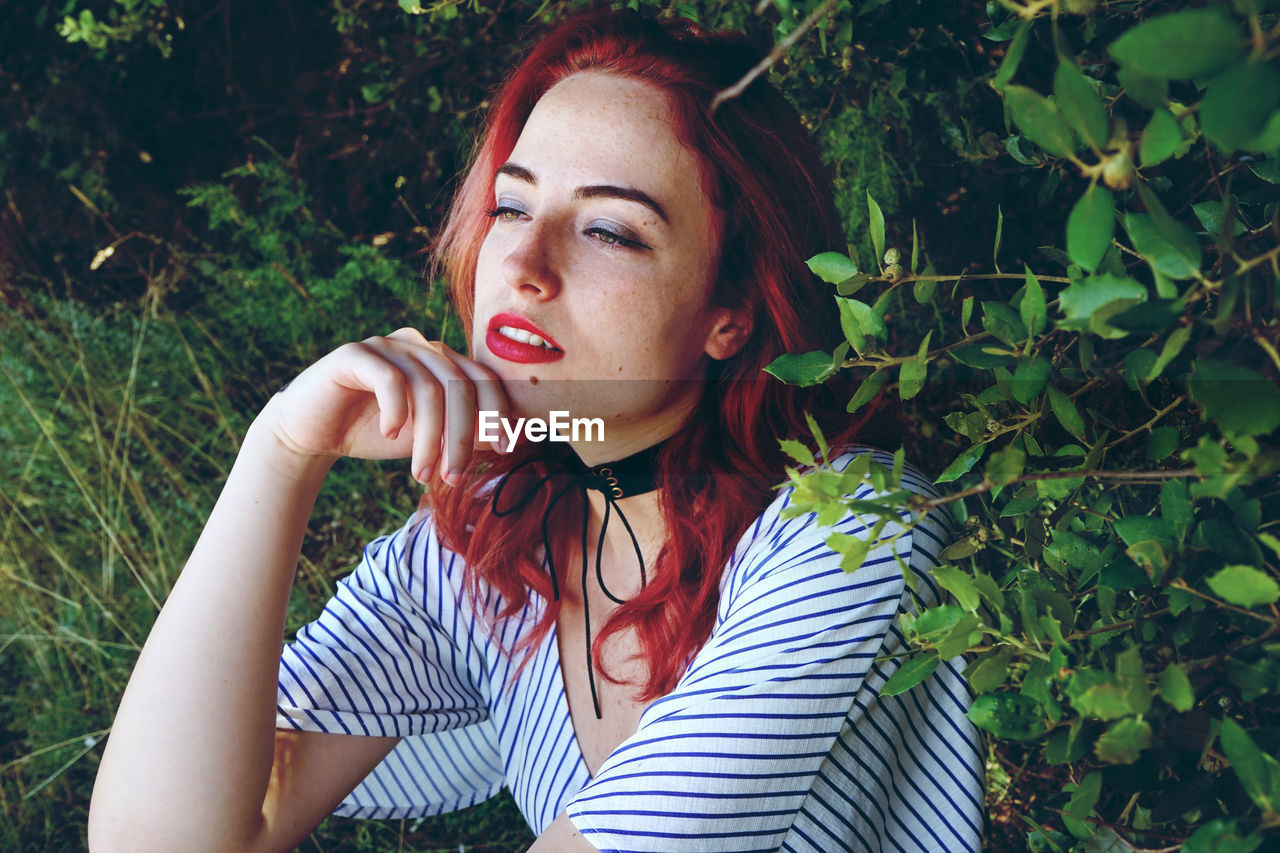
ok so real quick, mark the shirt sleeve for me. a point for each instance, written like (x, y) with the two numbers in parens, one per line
(769, 741)
(394, 654)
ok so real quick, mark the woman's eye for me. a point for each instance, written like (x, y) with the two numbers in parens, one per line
(612, 238)
(504, 213)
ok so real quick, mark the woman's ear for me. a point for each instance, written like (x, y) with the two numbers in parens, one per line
(729, 333)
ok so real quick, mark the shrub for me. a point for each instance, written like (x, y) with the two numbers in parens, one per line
(1114, 407)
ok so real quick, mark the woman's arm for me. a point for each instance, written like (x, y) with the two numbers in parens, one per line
(194, 761)
(562, 837)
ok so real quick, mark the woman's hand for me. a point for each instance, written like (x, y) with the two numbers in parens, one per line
(388, 398)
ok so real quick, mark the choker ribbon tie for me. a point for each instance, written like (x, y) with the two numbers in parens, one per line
(615, 480)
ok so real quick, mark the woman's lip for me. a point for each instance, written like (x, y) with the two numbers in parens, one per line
(513, 350)
(518, 322)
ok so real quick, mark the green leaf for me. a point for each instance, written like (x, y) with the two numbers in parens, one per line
(797, 451)
(1149, 318)
(962, 464)
(1090, 226)
(1085, 796)
(1229, 540)
(850, 326)
(1176, 508)
(1238, 103)
(966, 311)
(1173, 232)
(1066, 412)
(1150, 92)
(1106, 701)
(989, 671)
(859, 321)
(1012, 57)
(1065, 746)
(1003, 322)
(818, 437)
(1220, 836)
(910, 674)
(1124, 741)
(803, 369)
(937, 620)
(1006, 465)
(1249, 763)
(1163, 256)
(1268, 170)
(1161, 442)
(1244, 586)
(1040, 121)
(1268, 139)
(1172, 346)
(995, 249)
(853, 549)
(1239, 400)
(1133, 675)
(413, 7)
(876, 218)
(959, 583)
(1181, 45)
(867, 391)
(1082, 299)
(1140, 528)
(1175, 688)
(853, 284)
(1078, 101)
(911, 377)
(979, 356)
(1030, 377)
(1160, 139)
(1210, 214)
(832, 267)
(1008, 715)
(1032, 308)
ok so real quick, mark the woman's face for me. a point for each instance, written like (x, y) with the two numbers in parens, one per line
(604, 245)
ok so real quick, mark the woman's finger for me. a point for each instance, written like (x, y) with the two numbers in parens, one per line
(365, 369)
(427, 398)
(490, 394)
(455, 413)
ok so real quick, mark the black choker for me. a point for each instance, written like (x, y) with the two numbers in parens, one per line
(624, 478)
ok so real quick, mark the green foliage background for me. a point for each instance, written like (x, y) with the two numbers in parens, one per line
(1062, 273)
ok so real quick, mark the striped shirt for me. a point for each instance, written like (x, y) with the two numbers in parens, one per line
(775, 738)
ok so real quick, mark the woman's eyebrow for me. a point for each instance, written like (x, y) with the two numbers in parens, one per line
(520, 173)
(624, 193)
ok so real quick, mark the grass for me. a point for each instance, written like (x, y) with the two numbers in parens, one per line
(118, 430)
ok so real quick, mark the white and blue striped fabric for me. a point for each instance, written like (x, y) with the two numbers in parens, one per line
(775, 738)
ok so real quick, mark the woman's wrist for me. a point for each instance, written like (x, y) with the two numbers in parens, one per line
(268, 447)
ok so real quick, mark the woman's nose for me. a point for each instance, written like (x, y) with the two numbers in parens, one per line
(530, 266)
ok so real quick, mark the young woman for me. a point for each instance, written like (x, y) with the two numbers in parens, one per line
(625, 631)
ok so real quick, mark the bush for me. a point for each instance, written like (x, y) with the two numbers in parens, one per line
(1114, 407)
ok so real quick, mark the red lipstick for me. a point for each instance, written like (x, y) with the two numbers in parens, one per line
(513, 350)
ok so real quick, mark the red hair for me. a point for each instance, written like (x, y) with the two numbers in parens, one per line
(764, 176)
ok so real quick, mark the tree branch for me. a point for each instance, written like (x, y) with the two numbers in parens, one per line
(777, 53)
